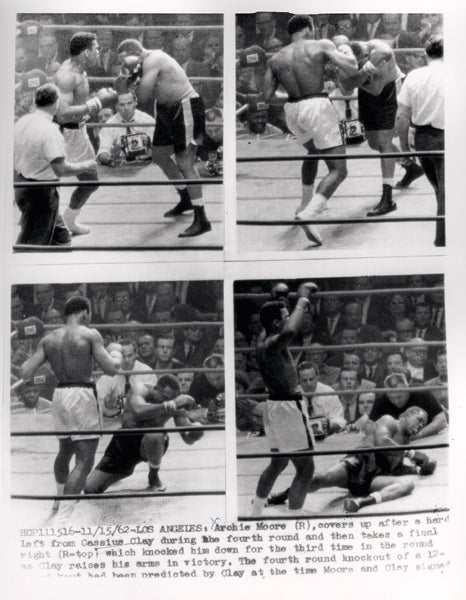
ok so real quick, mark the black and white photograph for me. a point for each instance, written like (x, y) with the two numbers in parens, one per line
(332, 376)
(117, 390)
(118, 137)
(340, 132)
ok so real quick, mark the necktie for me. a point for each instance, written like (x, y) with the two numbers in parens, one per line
(347, 414)
(127, 386)
(348, 113)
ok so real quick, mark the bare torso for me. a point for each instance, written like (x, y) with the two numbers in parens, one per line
(69, 351)
(170, 84)
(299, 67)
(129, 419)
(73, 84)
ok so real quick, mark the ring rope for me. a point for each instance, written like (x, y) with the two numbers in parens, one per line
(123, 431)
(364, 450)
(121, 125)
(322, 156)
(133, 28)
(115, 182)
(298, 222)
(342, 293)
(167, 371)
(111, 80)
(38, 248)
(131, 326)
(107, 496)
(337, 392)
(416, 511)
(323, 348)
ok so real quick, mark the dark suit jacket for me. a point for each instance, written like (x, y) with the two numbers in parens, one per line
(195, 359)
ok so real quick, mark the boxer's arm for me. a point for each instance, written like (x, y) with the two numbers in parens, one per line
(189, 437)
(385, 429)
(270, 84)
(67, 113)
(109, 365)
(31, 365)
(344, 61)
(403, 117)
(150, 73)
(438, 423)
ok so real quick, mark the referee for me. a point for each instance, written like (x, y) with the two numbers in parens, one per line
(39, 155)
(421, 105)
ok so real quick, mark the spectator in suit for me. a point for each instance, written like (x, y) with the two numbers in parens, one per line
(324, 30)
(371, 304)
(30, 32)
(182, 53)
(368, 26)
(349, 380)
(394, 362)
(373, 368)
(437, 302)
(345, 26)
(265, 29)
(190, 348)
(154, 39)
(330, 321)
(422, 318)
(48, 46)
(391, 31)
(164, 352)
(405, 330)
(45, 294)
(52, 316)
(146, 349)
(417, 363)
(348, 335)
(18, 311)
(123, 301)
(396, 308)
(442, 379)
(101, 302)
(328, 375)
(353, 318)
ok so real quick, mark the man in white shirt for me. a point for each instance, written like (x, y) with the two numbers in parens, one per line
(130, 144)
(330, 406)
(39, 155)
(421, 104)
(113, 390)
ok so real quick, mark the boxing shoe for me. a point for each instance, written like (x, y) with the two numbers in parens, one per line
(200, 225)
(386, 204)
(428, 468)
(413, 172)
(353, 505)
(69, 217)
(183, 205)
(277, 499)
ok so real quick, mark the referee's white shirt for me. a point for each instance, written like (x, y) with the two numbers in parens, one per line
(423, 91)
(38, 142)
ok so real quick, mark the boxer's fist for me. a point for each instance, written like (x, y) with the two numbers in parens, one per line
(306, 289)
(104, 98)
(280, 291)
(427, 465)
(131, 67)
(29, 328)
(251, 57)
(320, 427)
(190, 437)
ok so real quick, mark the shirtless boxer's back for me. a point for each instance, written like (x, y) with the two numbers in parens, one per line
(71, 350)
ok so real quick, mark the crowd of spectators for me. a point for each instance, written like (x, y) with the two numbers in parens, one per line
(405, 33)
(40, 50)
(410, 319)
(126, 314)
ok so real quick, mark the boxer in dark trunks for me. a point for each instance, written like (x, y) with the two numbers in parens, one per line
(374, 477)
(145, 407)
(180, 122)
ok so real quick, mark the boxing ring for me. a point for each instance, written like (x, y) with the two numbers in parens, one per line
(253, 454)
(268, 194)
(189, 472)
(121, 217)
